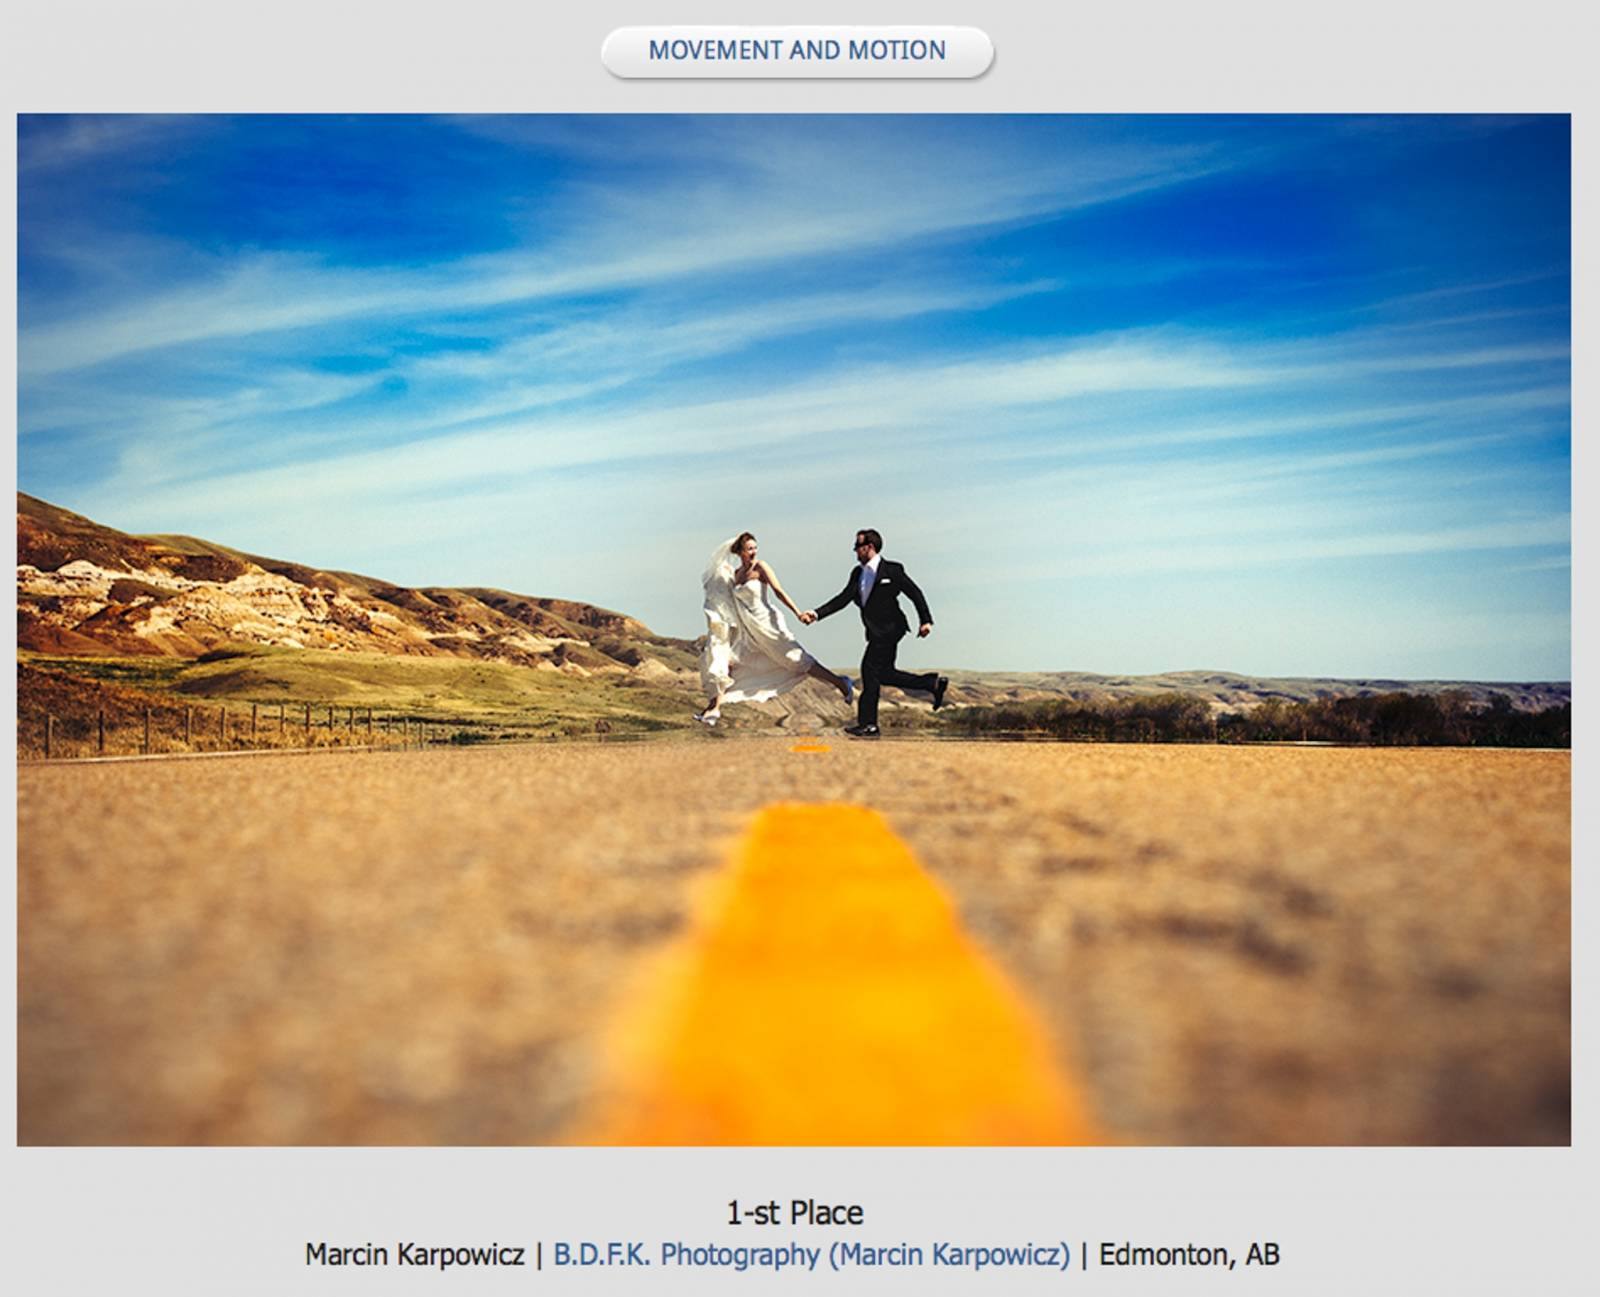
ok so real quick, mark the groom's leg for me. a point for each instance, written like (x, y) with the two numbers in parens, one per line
(878, 658)
(889, 674)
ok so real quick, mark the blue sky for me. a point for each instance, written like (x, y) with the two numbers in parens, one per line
(1280, 395)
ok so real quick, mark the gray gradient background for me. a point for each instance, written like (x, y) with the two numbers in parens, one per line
(1377, 1220)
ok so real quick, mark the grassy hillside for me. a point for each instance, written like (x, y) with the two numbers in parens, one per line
(468, 700)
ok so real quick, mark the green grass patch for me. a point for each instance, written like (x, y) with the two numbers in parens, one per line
(486, 698)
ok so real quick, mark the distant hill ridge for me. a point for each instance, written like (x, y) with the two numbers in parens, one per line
(87, 590)
(1230, 691)
(84, 589)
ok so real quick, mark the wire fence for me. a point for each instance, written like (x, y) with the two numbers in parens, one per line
(153, 731)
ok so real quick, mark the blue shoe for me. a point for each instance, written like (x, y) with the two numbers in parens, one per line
(849, 692)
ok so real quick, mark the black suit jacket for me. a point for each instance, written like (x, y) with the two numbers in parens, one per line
(882, 616)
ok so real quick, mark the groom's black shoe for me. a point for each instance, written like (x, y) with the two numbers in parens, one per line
(938, 692)
(862, 731)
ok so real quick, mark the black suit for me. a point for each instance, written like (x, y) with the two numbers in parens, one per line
(886, 625)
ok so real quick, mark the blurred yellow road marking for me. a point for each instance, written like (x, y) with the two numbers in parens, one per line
(811, 747)
(827, 995)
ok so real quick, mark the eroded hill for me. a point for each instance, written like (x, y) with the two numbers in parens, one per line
(84, 589)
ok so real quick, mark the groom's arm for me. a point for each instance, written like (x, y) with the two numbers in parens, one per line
(847, 595)
(924, 617)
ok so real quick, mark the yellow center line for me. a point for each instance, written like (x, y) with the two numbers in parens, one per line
(827, 995)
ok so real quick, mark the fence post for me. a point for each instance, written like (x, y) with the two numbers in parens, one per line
(222, 725)
(147, 731)
(254, 708)
(280, 718)
(49, 736)
(369, 724)
(188, 726)
(308, 725)
(102, 729)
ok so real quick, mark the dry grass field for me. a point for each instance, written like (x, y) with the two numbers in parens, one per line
(1218, 945)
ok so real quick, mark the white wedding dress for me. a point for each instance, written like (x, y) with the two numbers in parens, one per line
(750, 655)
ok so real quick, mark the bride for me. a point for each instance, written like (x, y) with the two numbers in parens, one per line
(750, 654)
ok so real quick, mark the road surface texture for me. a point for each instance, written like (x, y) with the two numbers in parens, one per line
(1043, 942)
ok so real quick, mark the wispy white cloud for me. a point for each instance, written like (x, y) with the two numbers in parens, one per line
(1287, 551)
(961, 412)
(62, 143)
(918, 398)
(863, 194)
(1471, 288)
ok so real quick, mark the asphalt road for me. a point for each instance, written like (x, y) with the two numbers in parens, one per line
(1218, 945)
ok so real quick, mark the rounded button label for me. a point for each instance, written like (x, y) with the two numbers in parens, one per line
(761, 52)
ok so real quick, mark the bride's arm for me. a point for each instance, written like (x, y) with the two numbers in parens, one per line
(771, 579)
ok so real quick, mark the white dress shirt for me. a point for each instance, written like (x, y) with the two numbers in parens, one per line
(869, 578)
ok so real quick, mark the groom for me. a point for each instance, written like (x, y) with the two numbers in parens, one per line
(875, 588)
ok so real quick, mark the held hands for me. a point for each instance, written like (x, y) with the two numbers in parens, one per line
(807, 617)
(924, 629)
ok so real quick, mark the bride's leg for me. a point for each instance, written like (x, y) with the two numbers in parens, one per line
(820, 672)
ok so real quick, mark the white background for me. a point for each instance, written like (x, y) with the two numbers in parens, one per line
(1369, 1220)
